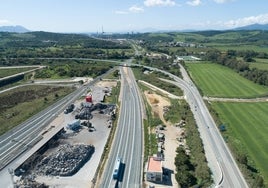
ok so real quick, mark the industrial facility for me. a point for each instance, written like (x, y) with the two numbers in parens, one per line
(83, 124)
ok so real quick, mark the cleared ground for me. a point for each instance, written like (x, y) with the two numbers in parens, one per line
(218, 81)
(247, 129)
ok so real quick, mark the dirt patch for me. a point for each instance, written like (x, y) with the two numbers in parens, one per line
(157, 103)
(107, 84)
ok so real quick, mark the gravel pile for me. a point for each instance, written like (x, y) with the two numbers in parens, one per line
(66, 161)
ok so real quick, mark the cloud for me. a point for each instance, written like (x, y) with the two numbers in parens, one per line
(133, 9)
(5, 22)
(194, 2)
(222, 1)
(259, 19)
(120, 12)
(152, 3)
(136, 9)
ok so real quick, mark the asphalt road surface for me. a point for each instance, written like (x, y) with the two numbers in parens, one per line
(128, 138)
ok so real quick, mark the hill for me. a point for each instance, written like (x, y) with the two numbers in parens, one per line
(254, 27)
(14, 29)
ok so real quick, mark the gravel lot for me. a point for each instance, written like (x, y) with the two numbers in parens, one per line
(96, 138)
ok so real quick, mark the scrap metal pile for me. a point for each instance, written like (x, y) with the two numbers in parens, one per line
(66, 161)
(84, 113)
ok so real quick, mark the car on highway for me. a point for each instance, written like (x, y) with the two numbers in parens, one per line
(117, 168)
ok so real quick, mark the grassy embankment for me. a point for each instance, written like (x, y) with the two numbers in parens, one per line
(11, 71)
(153, 78)
(18, 105)
(151, 121)
(246, 132)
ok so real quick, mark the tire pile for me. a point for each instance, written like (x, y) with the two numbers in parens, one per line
(66, 161)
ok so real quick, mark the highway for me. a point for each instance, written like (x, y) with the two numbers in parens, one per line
(28, 133)
(128, 139)
(223, 166)
(127, 143)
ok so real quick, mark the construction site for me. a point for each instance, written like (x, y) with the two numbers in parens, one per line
(71, 156)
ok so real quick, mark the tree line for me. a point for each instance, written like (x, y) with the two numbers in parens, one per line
(74, 70)
(191, 167)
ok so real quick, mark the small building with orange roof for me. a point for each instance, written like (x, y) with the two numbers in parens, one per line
(154, 171)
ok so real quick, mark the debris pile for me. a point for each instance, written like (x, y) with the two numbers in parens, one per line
(27, 182)
(66, 161)
(86, 108)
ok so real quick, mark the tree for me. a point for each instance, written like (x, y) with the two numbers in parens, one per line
(45, 100)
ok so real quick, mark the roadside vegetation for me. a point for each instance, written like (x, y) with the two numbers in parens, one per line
(150, 122)
(113, 99)
(152, 77)
(71, 69)
(246, 133)
(114, 75)
(192, 169)
(18, 105)
(10, 71)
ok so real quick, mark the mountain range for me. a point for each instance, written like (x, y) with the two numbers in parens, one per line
(253, 27)
(21, 29)
(14, 29)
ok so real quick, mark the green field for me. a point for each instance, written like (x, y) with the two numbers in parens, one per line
(218, 81)
(239, 47)
(21, 103)
(247, 129)
(261, 64)
(11, 71)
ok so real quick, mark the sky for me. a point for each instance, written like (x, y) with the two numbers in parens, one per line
(131, 15)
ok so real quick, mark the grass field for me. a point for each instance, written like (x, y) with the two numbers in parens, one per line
(219, 81)
(18, 105)
(239, 47)
(9, 72)
(247, 129)
(261, 64)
